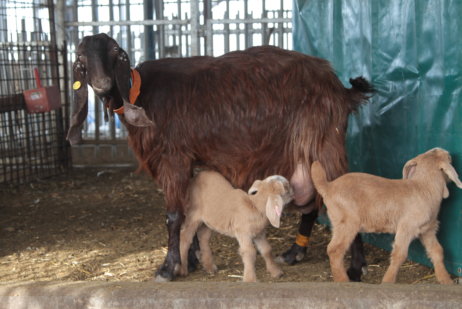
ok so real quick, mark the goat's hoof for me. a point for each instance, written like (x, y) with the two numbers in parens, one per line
(277, 273)
(364, 270)
(161, 279)
(355, 274)
(341, 279)
(252, 279)
(212, 269)
(163, 274)
(183, 271)
(448, 281)
(292, 256)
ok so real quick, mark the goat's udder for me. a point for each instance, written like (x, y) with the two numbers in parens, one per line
(302, 186)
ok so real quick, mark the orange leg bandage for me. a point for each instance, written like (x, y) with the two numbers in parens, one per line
(301, 240)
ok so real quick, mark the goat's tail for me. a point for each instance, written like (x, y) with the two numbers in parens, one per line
(360, 92)
(318, 175)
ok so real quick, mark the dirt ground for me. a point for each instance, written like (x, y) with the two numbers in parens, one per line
(109, 225)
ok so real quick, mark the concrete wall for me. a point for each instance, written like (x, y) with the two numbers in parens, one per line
(103, 154)
(227, 295)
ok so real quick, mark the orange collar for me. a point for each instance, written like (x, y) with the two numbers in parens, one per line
(134, 90)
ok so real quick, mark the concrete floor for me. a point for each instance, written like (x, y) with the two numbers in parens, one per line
(226, 295)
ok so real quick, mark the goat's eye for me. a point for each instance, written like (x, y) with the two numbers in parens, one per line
(253, 192)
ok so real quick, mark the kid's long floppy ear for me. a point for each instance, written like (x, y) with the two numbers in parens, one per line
(274, 207)
(134, 115)
(449, 170)
(79, 114)
(409, 169)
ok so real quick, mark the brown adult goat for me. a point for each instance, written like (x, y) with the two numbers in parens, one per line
(247, 114)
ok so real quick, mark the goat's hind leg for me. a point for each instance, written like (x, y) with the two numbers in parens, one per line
(193, 255)
(435, 252)
(336, 250)
(264, 248)
(204, 234)
(188, 232)
(297, 251)
(358, 264)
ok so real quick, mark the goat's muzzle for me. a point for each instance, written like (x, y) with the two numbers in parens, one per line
(102, 86)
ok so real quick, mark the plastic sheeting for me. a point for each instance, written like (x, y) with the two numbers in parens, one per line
(411, 50)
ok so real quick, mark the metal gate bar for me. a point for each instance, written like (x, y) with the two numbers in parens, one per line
(31, 145)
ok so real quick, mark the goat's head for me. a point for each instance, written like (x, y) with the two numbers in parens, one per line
(104, 66)
(278, 193)
(433, 158)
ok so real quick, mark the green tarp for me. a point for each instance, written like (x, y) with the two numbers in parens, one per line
(411, 50)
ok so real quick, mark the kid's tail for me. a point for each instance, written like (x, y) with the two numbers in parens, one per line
(318, 175)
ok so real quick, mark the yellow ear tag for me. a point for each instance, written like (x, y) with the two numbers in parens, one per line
(76, 85)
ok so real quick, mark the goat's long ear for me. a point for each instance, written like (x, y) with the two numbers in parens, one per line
(409, 169)
(274, 207)
(122, 74)
(79, 114)
(134, 115)
(449, 170)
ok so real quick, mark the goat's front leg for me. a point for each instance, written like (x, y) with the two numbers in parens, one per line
(248, 254)
(358, 264)
(172, 261)
(398, 255)
(337, 248)
(264, 248)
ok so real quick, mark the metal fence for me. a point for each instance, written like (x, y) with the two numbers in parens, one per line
(153, 29)
(32, 145)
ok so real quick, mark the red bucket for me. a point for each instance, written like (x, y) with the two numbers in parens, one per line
(42, 99)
